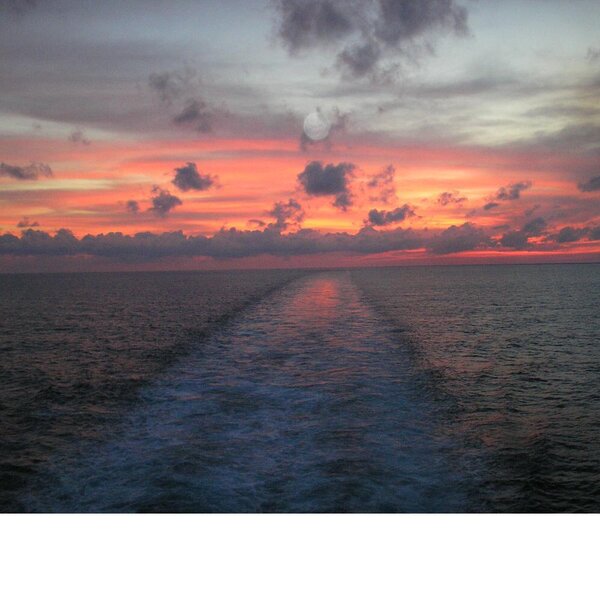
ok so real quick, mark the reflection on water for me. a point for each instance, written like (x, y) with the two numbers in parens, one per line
(304, 403)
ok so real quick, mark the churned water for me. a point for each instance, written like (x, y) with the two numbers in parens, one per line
(404, 389)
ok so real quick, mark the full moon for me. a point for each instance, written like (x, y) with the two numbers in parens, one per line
(316, 126)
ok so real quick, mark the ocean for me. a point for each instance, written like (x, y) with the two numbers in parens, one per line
(404, 389)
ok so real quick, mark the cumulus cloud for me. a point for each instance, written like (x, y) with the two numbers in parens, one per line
(188, 178)
(535, 226)
(285, 214)
(386, 217)
(226, 243)
(132, 206)
(25, 223)
(594, 233)
(28, 172)
(364, 34)
(519, 239)
(318, 179)
(571, 234)
(459, 239)
(592, 185)
(382, 184)
(512, 191)
(163, 202)
(446, 198)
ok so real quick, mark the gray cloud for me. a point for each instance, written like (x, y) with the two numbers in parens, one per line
(197, 114)
(459, 239)
(132, 206)
(318, 179)
(386, 217)
(519, 239)
(535, 226)
(383, 185)
(178, 90)
(571, 234)
(78, 137)
(593, 54)
(163, 202)
(490, 205)
(25, 223)
(446, 198)
(592, 185)
(515, 239)
(286, 213)
(512, 191)
(227, 243)
(234, 243)
(305, 23)
(31, 171)
(595, 233)
(364, 33)
(188, 178)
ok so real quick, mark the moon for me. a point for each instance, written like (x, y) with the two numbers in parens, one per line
(316, 126)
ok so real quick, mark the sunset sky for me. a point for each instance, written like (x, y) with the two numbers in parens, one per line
(154, 134)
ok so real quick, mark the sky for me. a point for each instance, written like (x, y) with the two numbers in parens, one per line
(146, 134)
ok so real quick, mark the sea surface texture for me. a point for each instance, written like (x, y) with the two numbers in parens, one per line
(416, 389)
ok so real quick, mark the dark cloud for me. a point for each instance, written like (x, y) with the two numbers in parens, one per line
(78, 137)
(592, 185)
(306, 23)
(383, 185)
(363, 34)
(31, 171)
(227, 243)
(593, 54)
(233, 243)
(386, 217)
(257, 223)
(512, 191)
(188, 178)
(515, 239)
(571, 234)
(446, 198)
(535, 227)
(178, 90)
(171, 86)
(318, 179)
(132, 206)
(595, 233)
(197, 114)
(343, 201)
(360, 59)
(163, 202)
(490, 205)
(459, 239)
(25, 223)
(519, 239)
(286, 213)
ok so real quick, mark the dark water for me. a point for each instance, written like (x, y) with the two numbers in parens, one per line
(407, 389)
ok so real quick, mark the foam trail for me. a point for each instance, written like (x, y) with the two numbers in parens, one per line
(304, 403)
